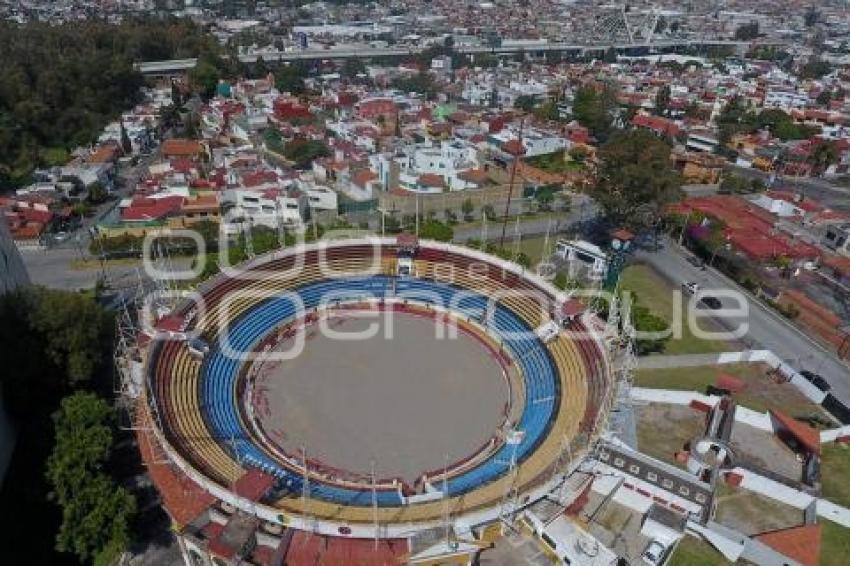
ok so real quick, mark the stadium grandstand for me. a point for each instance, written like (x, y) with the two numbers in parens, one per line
(360, 452)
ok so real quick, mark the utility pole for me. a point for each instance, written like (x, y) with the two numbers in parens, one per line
(514, 165)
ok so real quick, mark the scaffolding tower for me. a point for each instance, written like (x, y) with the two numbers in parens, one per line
(510, 500)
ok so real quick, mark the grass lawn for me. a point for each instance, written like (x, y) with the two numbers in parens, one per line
(655, 293)
(752, 513)
(663, 430)
(835, 544)
(554, 163)
(835, 472)
(692, 551)
(534, 247)
(761, 393)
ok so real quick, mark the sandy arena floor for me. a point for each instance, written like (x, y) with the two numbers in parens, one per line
(406, 402)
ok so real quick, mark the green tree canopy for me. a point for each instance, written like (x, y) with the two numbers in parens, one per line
(291, 79)
(95, 511)
(63, 83)
(662, 100)
(635, 179)
(71, 334)
(303, 151)
(595, 109)
(525, 102)
(433, 229)
(420, 83)
(746, 32)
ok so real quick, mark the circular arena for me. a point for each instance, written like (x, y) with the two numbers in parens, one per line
(375, 387)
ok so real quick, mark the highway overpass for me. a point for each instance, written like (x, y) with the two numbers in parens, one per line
(182, 65)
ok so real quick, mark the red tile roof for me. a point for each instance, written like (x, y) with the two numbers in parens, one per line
(802, 544)
(182, 498)
(657, 124)
(253, 484)
(806, 435)
(477, 176)
(376, 107)
(144, 209)
(363, 176)
(431, 180)
(572, 308)
(309, 549)
(178, 147)
(257, 178)
(730, 383)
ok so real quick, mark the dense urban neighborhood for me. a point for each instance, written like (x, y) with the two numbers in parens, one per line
(637, 216)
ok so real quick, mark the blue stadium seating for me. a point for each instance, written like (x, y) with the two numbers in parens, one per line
(219, 376)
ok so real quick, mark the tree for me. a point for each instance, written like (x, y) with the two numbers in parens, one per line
(548, 111)
(524, 102)
(176, 95)
(204, 77)
(126, 145)
(83, 442)
(595, 109)
(95, 511)
(74, 329)
(303, 151)
(662, 100)
(489, 211)
(353, 67)
(747, 32)
(291, 79)
(420, 83)
(578, 153)
(814, 69)
(645, 321)
(736, 184)
(635, 179)
(811, 17)
(433, 229)
(391, 224)
(824, 155)
(97, 193)
(466, 208)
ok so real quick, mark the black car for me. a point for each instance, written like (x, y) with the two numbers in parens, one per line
(816, 380)
(710, 302)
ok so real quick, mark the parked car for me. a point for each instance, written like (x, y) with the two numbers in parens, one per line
(654, 553)
(710, 302)
(690, 287)
(696, 262)
(816, 380)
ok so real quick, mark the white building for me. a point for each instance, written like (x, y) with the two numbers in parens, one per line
(262, 208)
(702, 140)
(570, 542)
(320, 197)
(447, 161)
(785, 98)
(583, 258)
(535, 141)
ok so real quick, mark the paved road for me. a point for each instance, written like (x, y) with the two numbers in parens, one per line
(826, 192)
(767, 329)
